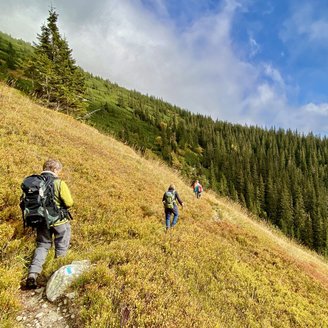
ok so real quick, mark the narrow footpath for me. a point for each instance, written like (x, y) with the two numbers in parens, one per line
(38, 312)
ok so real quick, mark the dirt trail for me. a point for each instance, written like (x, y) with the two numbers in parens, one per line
(38, 312)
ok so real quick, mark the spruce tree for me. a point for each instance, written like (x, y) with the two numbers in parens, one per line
(11, 57)
(56, 78)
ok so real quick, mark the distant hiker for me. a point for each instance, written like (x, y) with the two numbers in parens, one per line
(170, 199)
(198, 188)
(45, 202)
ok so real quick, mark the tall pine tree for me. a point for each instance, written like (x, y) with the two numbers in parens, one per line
(56, 78)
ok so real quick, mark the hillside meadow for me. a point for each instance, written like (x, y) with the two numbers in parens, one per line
(218, 268)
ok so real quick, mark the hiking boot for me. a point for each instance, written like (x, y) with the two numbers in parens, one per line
(31, 281)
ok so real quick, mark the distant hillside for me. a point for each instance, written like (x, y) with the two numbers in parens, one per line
(281, 176)
(218, 268)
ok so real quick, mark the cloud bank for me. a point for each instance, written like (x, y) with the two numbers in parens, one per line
(195, 66)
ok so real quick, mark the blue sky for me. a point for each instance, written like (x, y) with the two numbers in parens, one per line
(254, 62)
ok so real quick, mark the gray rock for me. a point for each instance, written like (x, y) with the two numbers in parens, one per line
(63, 278)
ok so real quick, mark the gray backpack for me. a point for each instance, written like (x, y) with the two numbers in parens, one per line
(169, 199)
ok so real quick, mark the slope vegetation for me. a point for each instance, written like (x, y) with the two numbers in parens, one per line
(217, 268)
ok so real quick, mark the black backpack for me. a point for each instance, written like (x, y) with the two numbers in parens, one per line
(37, 201)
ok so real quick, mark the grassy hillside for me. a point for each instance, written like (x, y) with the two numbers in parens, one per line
(217, 268)
(278, 175)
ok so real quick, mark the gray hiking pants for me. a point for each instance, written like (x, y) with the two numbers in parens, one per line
(62, 236)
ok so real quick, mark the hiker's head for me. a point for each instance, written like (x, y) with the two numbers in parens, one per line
(53, 166)
(171, 186)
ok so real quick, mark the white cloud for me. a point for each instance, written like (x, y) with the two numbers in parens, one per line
(264, 95)
(320, 109)
(20, 20)
(306, 23)
(274, 74)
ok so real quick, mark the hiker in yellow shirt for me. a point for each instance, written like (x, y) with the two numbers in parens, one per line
(60, 230)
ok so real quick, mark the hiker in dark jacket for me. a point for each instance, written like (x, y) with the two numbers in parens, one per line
(170, 200)
(60, 231)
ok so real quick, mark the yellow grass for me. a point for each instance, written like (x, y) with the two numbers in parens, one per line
(217, 268)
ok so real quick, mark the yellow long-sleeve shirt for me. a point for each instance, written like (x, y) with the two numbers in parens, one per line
(63, 197)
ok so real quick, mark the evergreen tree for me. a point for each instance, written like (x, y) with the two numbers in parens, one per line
(57, 80)
(11, 57)
(300, 216)
(284, 212)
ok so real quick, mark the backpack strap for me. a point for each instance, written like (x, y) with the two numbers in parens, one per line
(21, 205)
(49, 179)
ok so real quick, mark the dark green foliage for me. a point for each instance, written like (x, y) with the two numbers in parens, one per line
(57, 80)
(11, 57)
(13, 53)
